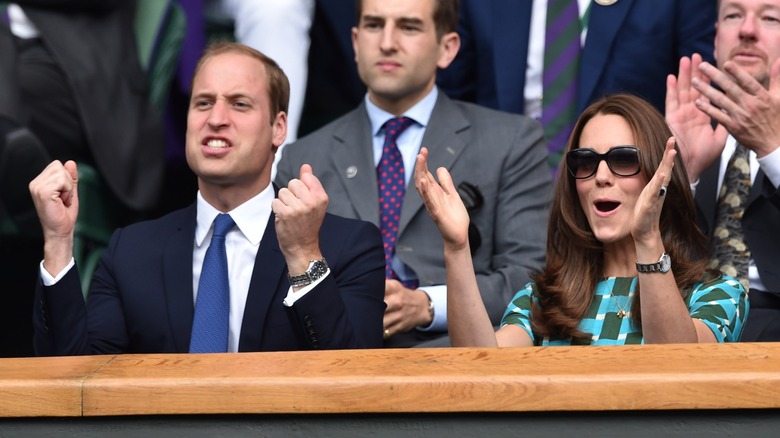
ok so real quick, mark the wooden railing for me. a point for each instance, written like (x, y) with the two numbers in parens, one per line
(671, 377)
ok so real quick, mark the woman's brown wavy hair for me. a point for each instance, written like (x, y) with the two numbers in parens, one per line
(575, 258)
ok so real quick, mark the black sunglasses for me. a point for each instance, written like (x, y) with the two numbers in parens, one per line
(621, 160)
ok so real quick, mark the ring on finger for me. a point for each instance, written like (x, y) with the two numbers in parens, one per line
(662, 192)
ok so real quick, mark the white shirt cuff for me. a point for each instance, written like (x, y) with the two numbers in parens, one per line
(770, 164)
(48, 280)
(292, 296)
(438, 295)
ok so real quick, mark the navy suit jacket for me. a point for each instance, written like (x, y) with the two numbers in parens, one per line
(630, 46)
(759, 223)
(141, 299)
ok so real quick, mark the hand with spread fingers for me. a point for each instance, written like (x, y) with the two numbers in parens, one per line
(745, 107)
(647, 212)
(299, 211)
(700, 144)
(55, 194)
(443, 203)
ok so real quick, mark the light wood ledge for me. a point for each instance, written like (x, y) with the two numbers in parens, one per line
(652, 377)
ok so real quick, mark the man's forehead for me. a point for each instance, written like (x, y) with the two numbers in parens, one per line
(750, 4)
(230, 64)
(421, 10)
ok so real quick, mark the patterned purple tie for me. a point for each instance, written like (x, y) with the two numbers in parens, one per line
(559, 80)
(212, 308)
(392, 188)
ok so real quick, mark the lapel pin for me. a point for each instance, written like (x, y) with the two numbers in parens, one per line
(351, 171)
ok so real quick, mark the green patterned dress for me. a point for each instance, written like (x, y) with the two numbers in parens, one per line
(720, 303)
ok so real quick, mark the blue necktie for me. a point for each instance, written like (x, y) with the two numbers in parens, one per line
(212, 308)
(392, 189)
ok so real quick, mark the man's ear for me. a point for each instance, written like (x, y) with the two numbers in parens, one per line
(355, 43)
(448, 49)
(279, 130)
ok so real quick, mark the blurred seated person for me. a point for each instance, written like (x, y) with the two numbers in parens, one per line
(626, 263)
(77, 92)
(246, 267)
(71, 88)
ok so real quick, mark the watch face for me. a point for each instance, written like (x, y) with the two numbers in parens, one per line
(317, 269)
(665, 262)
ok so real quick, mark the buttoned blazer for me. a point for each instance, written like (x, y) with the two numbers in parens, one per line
(759, 223)
(502, 154)
(141, 299)
(94, 44)
(630, 46)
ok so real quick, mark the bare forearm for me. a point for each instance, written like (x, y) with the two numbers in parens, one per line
(665, 317)
(469, 324)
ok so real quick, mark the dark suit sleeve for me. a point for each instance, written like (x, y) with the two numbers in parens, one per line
(60, 318)
(63, 327)
(346, 309)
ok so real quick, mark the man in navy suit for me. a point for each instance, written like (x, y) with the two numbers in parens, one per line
(299, 278)
(630, 46)
(747, 112)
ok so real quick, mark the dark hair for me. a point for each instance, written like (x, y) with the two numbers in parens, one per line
(575, 258)
(278, 84)
(445, 15)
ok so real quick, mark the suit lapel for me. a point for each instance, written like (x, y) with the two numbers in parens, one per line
(707, 195)
(603, 25)
(756, 189)
(354, 160)
(445, 144)
(264, 287)
(177, 273)
(511, 27)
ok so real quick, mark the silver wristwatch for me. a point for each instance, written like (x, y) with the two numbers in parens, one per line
(664, 264)
(317, 268)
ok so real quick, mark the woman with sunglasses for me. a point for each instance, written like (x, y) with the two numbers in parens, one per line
(622, 221)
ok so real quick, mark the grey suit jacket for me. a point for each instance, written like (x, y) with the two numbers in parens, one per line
(503, 155)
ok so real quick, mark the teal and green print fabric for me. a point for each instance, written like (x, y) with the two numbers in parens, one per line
(720, 303)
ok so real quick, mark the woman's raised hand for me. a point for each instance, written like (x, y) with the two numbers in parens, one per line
(443, 203)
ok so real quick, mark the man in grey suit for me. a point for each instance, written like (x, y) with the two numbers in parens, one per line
(497, 160)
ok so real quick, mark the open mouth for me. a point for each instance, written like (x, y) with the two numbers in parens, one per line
(606, 206)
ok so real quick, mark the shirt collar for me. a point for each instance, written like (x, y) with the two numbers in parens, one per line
(251, 217)
(420, 112)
